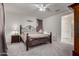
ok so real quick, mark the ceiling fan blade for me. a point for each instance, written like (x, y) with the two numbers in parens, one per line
(48, 9)
(47, 5)
(36, 5)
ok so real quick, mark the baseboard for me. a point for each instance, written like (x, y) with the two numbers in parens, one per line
(75, 53)
(3, 54)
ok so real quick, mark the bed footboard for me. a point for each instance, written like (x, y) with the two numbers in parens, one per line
(50, 40)
(37, 41)
(27, 42)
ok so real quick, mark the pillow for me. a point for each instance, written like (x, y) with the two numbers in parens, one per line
(40, 31)
(46, 32)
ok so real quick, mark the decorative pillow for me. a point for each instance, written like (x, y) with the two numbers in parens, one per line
(41, 31)
(46, 32)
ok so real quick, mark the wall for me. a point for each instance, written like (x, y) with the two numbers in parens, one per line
(14, 19)
(67, 28)
(53, 24)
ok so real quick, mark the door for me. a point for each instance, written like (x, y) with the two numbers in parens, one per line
(67, 29)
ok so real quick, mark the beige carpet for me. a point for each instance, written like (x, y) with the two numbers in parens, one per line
(54, 49)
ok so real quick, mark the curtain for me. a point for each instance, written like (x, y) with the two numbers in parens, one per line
(40, 25)
(3, 46)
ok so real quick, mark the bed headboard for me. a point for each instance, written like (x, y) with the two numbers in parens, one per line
(28, 28)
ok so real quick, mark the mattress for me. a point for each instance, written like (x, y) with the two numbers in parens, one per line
(38, 35)
(24, 36)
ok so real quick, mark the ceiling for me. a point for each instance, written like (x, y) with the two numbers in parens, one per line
(28, 9)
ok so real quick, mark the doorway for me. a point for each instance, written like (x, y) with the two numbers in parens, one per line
(67, 29)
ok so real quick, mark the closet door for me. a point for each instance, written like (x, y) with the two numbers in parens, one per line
(2, 29)
(76, 29)
(75, 8)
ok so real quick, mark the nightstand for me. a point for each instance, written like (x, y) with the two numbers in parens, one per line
(15, 38)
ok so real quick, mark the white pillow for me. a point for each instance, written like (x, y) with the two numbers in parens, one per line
(46, 32)
(40, 31)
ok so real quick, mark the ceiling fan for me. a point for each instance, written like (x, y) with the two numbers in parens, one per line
(42, 6)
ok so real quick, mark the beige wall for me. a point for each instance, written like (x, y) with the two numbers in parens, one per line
(53, 24)
(15, 20)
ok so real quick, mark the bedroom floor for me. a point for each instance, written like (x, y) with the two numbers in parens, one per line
(54, 49)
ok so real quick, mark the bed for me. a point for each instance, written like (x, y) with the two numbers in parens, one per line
(32, 38)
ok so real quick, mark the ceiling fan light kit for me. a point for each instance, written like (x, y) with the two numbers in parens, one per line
(42, 7)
